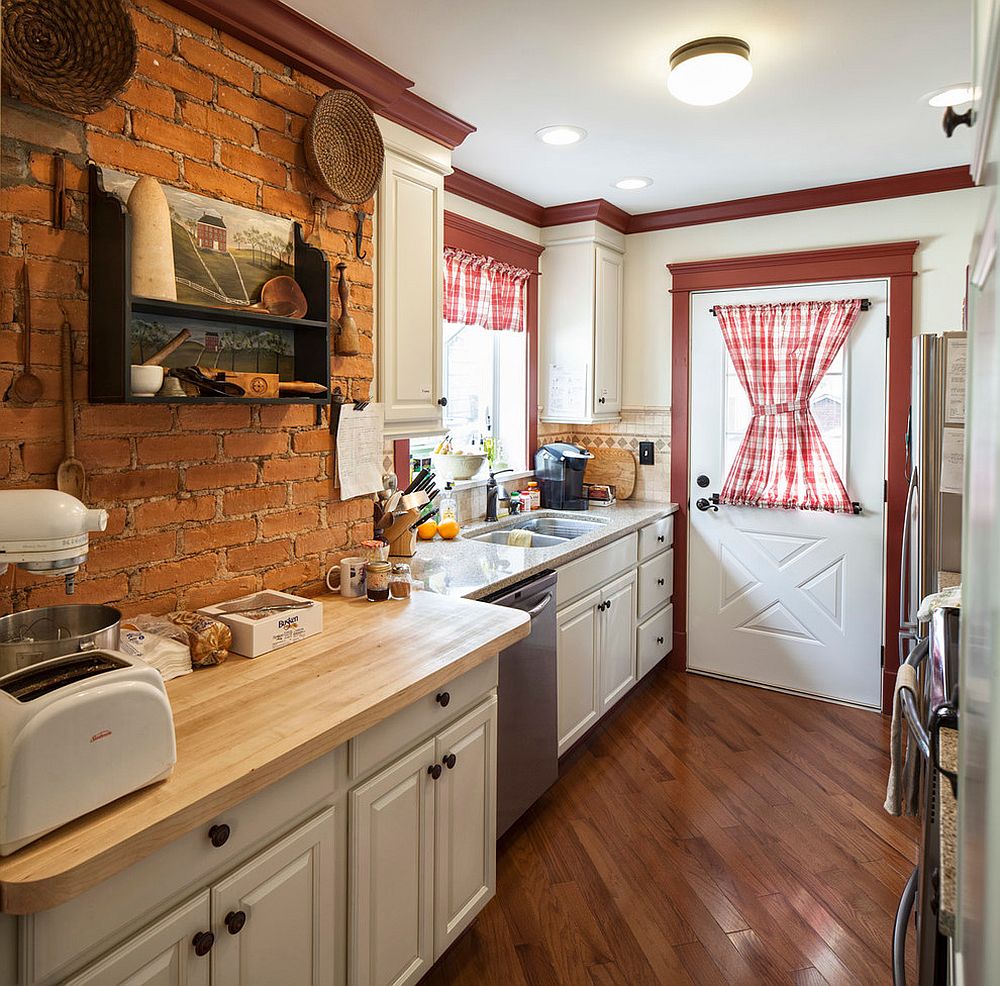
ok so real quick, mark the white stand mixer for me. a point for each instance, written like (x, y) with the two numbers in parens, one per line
(46, 532)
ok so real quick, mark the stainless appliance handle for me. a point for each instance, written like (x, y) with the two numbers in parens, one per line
(901, 926)
(909, 702)
(904, 556)
(535, 610)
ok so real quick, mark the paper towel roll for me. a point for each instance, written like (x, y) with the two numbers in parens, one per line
(152, 243)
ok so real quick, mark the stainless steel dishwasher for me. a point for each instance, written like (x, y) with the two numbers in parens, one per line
(527, 735)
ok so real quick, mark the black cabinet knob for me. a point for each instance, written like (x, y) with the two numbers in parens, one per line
(661, 582)
(235, 921)
(952, 120)
(203, 942)
(443, 401)
(450, 760)
(662, 538)
(442, 699)
(434, 770)
(600, 400)
(219, 835)
(659, 640)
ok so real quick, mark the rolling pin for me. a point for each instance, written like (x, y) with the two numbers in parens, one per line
(178, 340)
(300, 387)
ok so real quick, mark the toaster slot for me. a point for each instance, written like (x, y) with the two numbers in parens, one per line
(41, 679)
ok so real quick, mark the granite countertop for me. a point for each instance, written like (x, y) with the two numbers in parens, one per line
(464, 567)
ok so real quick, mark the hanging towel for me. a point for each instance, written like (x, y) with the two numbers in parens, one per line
(519, 539)
(902, 791)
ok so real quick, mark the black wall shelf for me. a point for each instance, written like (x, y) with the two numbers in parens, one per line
(112, 308)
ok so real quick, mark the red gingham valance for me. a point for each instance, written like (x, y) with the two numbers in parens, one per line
(483, 291)
(781, 353)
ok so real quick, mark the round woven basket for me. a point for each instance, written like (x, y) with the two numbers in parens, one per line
(344, 147)
(71, 55)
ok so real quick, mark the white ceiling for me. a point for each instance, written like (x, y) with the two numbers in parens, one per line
(835, 95)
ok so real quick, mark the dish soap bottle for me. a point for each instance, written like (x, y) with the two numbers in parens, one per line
(449, 506)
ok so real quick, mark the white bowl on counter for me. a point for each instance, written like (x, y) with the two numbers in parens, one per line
(457, 465)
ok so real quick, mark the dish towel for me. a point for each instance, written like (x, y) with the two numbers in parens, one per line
(519, 539)
(901, 794)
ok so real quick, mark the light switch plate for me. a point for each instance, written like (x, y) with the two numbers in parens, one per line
(645, 453)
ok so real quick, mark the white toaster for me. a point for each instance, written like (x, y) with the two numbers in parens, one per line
(75, 733)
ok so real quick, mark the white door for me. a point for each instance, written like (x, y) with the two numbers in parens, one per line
(161, 955)
(578, 645)
(390, 932)
(617, 640)
(790, 599)
(609, 289)
(274, 917)
(465, 823)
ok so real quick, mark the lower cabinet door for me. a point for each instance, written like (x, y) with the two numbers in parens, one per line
(577, 660)
(273, 918)
(161, 955)
(465, 823)
(390, 923)
(617, 640)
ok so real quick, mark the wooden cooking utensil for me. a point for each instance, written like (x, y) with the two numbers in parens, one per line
(70, 476)
(178, 340)
(279, 296)
(347, 340)
(300, 387)
(27, 387)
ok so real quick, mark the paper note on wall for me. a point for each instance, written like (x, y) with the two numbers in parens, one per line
(952, 460)
(954, 381)
(359, 450)
(567, 391)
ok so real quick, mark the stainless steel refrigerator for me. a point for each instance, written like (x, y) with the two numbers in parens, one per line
(932, 535)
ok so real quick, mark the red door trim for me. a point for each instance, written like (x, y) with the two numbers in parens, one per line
(893, 261)
(467, 234)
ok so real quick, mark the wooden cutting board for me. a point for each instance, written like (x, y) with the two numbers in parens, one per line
(614, 466)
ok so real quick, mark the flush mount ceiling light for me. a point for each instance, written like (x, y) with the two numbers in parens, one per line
(709, 71)
(561, 135)
(953, 95)
(633, 183)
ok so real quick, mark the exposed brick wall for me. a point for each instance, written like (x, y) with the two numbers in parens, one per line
(205, 502)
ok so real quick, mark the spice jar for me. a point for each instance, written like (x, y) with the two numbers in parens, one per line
(400, 582)
(377, 580)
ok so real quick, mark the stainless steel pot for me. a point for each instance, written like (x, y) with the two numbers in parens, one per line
(52, 631)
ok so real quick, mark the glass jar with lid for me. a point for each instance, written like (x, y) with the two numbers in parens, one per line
(377, 580)
(400, 581)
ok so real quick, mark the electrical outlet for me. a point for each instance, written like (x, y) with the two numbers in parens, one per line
(645, 453)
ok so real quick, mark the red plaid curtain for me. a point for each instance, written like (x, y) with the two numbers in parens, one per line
(483, 291)
(781, 353)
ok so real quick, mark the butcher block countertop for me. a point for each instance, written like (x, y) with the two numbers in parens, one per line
(245, 724)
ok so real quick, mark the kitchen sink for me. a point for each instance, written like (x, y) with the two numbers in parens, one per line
(537, 540)
(546, 532)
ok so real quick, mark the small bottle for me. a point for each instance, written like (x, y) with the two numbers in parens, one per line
(449, 506)
(536, 495)
(515, 503)
(400, 581)
(377, 581)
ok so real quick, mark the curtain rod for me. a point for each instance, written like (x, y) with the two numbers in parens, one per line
(865, 305)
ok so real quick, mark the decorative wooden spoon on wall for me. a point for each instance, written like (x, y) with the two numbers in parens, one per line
(70, 476)
(346, 341)
(27, 387)
(279, 296)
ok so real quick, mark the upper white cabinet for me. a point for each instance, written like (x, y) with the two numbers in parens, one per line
(408, 276)
(580, 328)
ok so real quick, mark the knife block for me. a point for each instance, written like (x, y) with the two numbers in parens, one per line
(405, 546)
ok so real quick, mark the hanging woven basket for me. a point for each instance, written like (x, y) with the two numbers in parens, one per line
(71, 55)
(344, 147)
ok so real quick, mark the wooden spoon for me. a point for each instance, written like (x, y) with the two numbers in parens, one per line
(279, 296)
(27, 387)
(70, 477)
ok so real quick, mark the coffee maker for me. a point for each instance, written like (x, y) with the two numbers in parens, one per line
(559, 469)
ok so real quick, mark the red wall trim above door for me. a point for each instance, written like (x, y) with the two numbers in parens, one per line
(893, 261)
(467, 234)
(285, 34)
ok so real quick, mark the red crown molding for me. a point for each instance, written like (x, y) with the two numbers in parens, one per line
(594, 210)
(294, 39)
(479, 190)
(848, 193)
(467, 234)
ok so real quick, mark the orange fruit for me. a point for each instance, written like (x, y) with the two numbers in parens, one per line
(427, 530)
(448, 529)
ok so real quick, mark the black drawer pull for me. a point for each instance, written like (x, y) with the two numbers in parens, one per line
(434, 770)
(450, 760)
(662, 538)
(203, 942)
(219, 835)
(442, 699)
(235, 921)
(659, 640)
(661, 581)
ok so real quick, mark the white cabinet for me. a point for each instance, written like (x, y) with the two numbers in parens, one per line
(161, 955)
(654, 636)
(617, 640)
(390, 930)
(580, 325)
(274, 917)
(410, 246)
(465, 823)
(595, 653)
(422, 851)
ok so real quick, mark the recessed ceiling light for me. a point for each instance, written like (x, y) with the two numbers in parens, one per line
(633, 183)
(953, 95)
(710, 70)
(561, 135)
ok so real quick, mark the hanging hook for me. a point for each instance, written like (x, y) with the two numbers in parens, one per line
(360, 216)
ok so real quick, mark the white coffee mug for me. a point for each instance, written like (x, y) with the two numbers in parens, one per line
(352, 577)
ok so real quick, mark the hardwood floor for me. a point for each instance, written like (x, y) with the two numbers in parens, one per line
(708, 833)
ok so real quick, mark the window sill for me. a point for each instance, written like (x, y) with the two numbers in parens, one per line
(471, 484)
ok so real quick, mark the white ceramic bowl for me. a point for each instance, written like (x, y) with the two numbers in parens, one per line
(146, 380)
(457, 465)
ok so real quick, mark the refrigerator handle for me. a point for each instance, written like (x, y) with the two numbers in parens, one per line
(904, 556)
